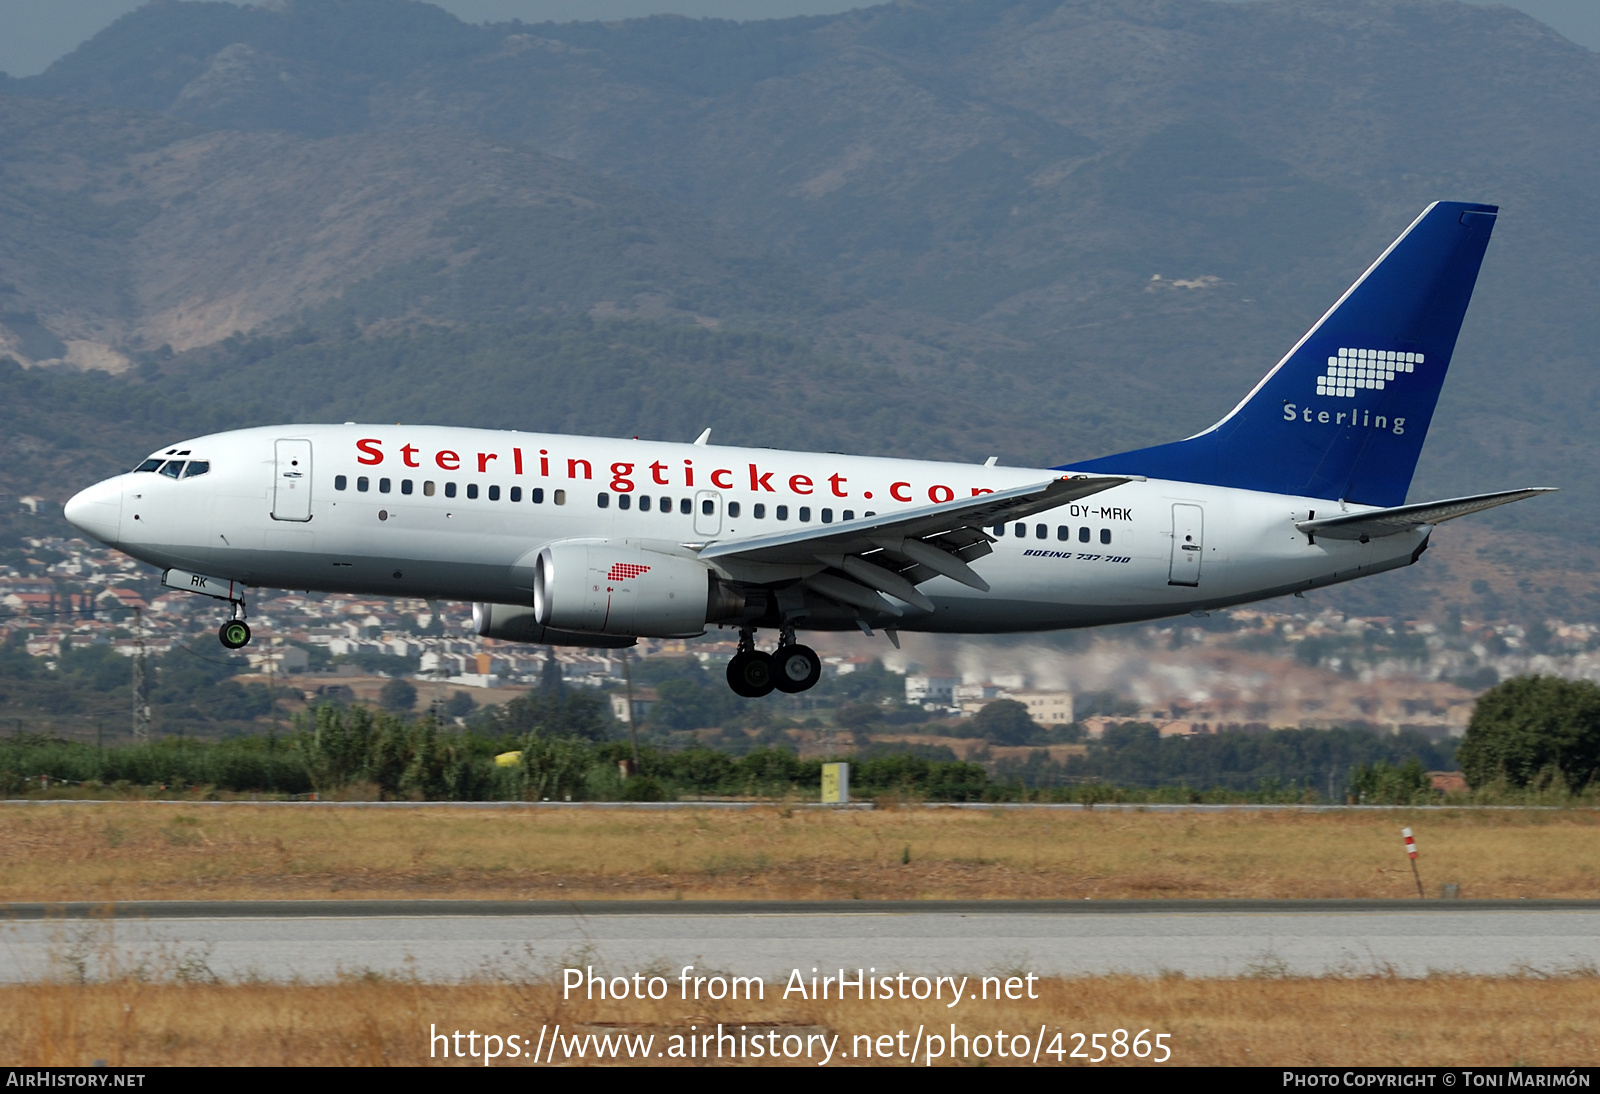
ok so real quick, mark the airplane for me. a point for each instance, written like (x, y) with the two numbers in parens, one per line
(598, 542)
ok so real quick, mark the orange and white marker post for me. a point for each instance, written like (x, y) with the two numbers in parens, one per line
(1411, 849)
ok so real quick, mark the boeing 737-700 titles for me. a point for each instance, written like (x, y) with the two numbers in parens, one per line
(598, 542)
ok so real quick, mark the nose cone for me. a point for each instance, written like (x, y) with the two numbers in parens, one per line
(98, 511)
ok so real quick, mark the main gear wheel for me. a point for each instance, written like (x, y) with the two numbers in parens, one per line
(795, 668)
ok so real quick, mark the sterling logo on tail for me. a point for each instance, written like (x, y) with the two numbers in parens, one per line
(1357, 369)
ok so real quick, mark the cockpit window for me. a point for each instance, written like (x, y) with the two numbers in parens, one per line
(197, 468)
(172, 468)
(149, 465)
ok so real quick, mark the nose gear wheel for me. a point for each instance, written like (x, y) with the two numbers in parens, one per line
(234, 634)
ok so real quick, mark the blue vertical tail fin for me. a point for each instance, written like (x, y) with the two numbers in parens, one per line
(1344, 414)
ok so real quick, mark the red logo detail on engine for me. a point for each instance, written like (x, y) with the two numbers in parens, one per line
(622, 571)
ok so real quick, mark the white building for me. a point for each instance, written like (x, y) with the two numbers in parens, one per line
(284, 659)
(643, 700)
(1048, 708)
(974, 693)
(930, 689)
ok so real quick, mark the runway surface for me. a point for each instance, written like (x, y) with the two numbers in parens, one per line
(319, 941)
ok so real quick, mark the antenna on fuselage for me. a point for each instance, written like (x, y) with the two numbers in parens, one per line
(705, 436)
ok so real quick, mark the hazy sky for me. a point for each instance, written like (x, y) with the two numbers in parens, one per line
(35, 32)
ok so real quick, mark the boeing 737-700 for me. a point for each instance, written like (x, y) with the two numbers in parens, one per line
(598, 542)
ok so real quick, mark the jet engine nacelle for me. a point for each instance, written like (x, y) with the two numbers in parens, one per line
(614, 587)
(515, 623)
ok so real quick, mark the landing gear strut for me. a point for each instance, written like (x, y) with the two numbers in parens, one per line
(235, 633)
(790, 668)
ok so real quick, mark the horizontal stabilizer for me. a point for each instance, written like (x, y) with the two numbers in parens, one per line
(1404, 518)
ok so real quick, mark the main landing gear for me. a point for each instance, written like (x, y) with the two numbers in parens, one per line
(235, 633)
(790, 668)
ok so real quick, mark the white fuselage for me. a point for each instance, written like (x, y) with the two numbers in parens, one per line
(439, 512)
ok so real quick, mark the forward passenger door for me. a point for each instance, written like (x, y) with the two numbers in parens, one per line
(291, 484)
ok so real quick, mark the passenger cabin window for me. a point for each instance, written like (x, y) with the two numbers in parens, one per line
(384, 485)
(644, 503)
(685, 506)
(494, 493)
(827, 516)
(405, 486)
(1041, 531)
(624, 501)
(427, 488)
(733, 508)
(1021, 531)
(666, 505)
(708, 507)
(603, 500)
(340, 482)
(1063, 533)
(849, 514)
(149, 465)
(472, 490)
(172, 468)
(560, 497)
(1105, 535)
(1083, 535)
(536, 495)
(805, 512)
(783, 512)
(759, 511)
(999, 531)
(449, 489)
(197, 468)
(516, 493)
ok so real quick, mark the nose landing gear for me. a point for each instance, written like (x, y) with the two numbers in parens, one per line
(791, 668)
(235, 633)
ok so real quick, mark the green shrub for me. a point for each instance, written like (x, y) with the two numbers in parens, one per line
(1531, 725)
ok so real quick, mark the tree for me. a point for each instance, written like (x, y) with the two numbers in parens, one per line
(1005, 722)
(581, 712)
(397, 694)
(1530, 725)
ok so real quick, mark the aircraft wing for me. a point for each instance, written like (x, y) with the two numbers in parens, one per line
(1404, 518)
(853, 561)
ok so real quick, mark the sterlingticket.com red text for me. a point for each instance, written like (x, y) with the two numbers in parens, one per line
(926, 1044)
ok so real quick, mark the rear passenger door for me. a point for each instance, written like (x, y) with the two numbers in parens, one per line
(1188, 544)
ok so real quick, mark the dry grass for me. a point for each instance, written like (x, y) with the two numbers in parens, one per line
(176, 851)
(1474, 1022)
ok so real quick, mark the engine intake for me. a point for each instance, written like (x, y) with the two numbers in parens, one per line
(607, 587)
